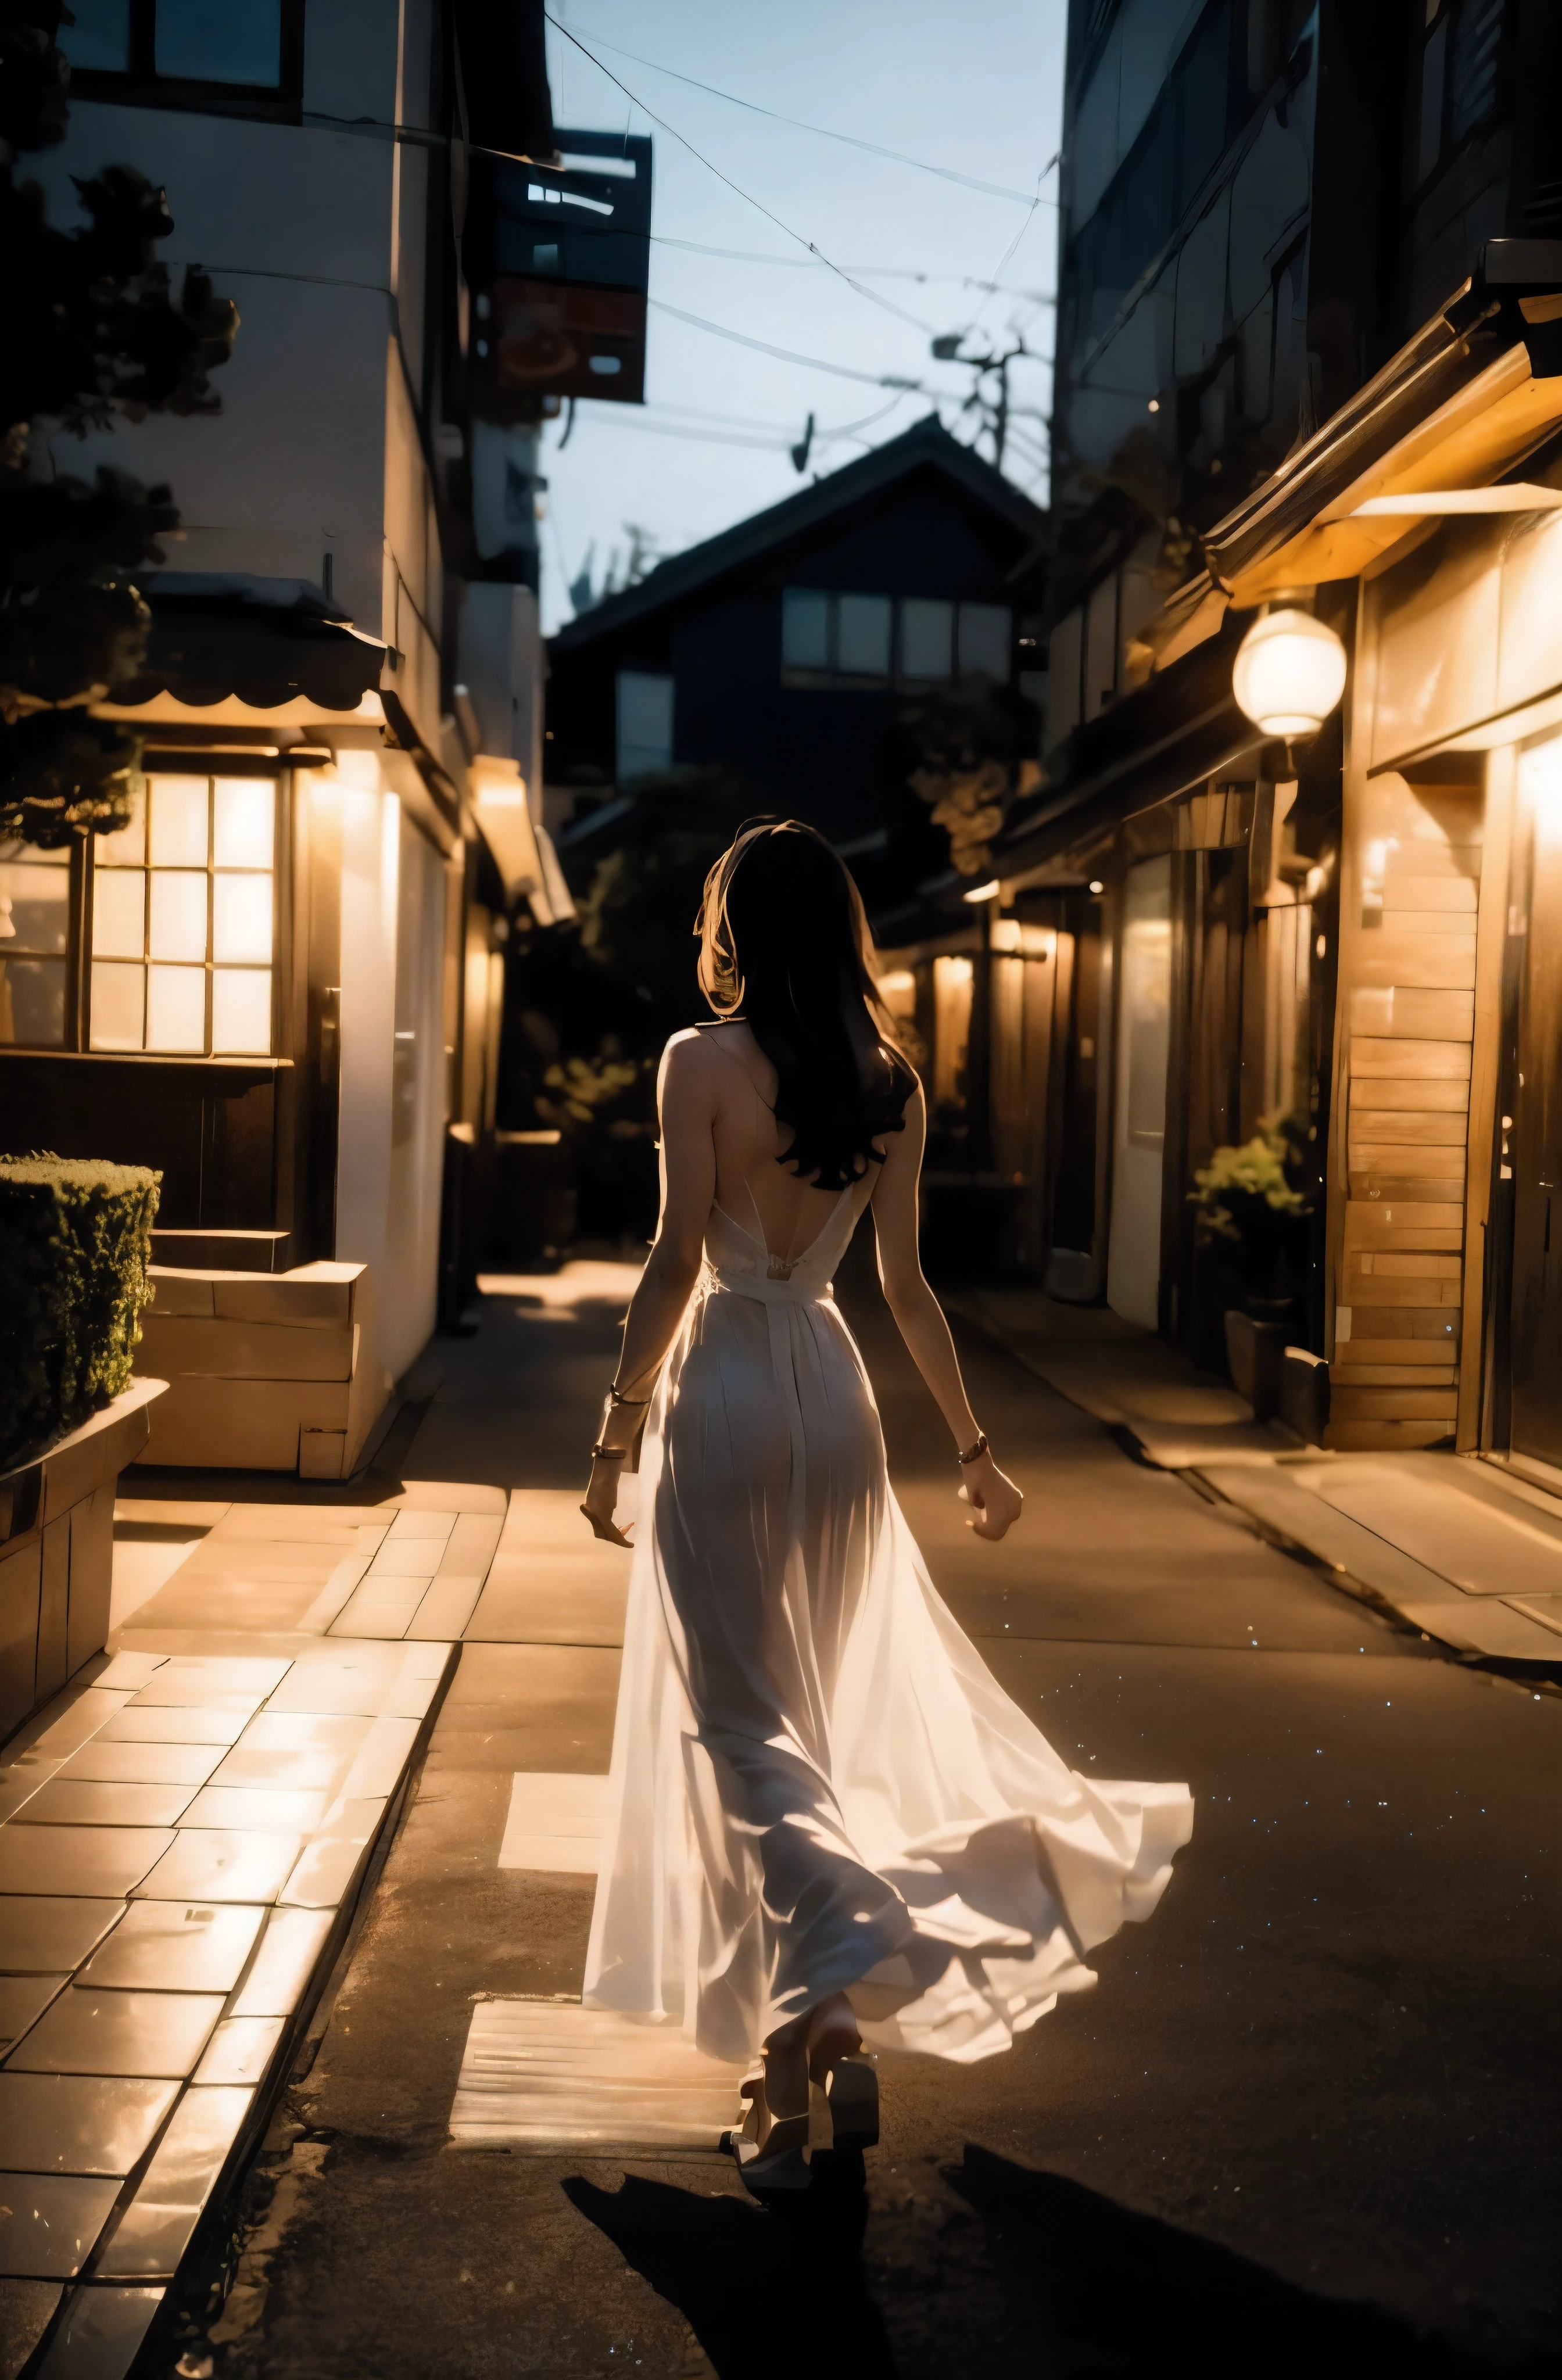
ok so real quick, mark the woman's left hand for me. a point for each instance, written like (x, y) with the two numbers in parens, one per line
(602, 1495)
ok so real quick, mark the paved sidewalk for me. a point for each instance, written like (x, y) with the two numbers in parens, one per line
(184, 1834)
(1455, 1548)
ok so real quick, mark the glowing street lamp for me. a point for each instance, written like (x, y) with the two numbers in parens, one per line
(1288, 674)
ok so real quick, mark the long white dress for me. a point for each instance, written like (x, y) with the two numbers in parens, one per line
(817, 1785)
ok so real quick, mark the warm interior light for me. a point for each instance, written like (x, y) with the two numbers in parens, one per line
(982, 892)
(1095, 885)
(1290, 673)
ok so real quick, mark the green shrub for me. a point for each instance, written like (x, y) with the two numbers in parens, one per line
(75, 1242)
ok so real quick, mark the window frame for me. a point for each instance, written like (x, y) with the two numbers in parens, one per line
(139, 85)
(832, 678)
(76, 1041)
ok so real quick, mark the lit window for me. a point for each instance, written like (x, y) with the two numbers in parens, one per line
(34, 945)
(184, 920)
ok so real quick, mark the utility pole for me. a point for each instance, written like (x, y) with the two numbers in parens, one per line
(994, 409)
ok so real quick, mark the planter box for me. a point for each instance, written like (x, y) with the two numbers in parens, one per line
(265, 1371)
(56, 1552)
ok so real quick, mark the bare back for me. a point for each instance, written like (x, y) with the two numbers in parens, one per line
(752, 1186)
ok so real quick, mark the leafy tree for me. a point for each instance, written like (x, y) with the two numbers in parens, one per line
(92, 331)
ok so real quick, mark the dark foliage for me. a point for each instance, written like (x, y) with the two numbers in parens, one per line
(92, 330)
(75, 1242)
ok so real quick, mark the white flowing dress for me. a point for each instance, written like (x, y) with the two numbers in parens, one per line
(817, 1784)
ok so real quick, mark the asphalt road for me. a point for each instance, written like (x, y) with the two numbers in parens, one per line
(1306, 2122)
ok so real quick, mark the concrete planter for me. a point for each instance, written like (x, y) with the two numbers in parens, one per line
(1254, 1354)
(56, 1552)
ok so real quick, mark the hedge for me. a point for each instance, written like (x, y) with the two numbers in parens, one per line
(75, 1242)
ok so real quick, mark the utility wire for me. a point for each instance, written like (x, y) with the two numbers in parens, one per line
(861, 288)
(899, 156)
(788, 354)
(870, 271)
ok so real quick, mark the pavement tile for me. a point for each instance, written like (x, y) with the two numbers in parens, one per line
(23, 1999)
(119, 2032)
(137, 1723)
(131, 1670)
(152, 2233)
(81, 1801)
(239, 2051)
(416, 1555)
(41, 1933)
(296, 1810)
(26, 2307)
(329, 1866)
(217, 1863)
(82, 1717)
(50, 2222)
(419, 1521)
(100, 2334)
(293, 1730)
(80, 2123)
(285, 1961)
(164, 1946)
(386, 1750)
(97, 1863)
(22, 1779)
(446, 1610)
(142, 1763)
(303, 1768)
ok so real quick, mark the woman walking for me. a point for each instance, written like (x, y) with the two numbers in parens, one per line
(827, 1824)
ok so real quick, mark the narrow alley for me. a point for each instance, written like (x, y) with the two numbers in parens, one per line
(1295, 2123)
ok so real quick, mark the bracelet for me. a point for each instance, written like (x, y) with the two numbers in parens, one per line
(615, 1397)
(610, 1453)
(972, 1452)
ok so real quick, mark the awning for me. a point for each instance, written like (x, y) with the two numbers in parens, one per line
(266, 641)
(522, 849)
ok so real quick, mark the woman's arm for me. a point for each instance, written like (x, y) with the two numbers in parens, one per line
(686, 1100)
(995, 1498)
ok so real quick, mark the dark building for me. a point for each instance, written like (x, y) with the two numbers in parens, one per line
(787, 650)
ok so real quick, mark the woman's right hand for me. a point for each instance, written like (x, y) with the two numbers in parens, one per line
(996, 1503)
(602, 1495)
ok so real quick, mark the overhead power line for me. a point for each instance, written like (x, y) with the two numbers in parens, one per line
(757, 204)
(821, 131)
(786, 355)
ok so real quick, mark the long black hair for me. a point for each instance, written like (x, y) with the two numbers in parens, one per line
(784, 941)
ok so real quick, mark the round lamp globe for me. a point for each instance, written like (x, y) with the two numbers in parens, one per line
(1288, 674)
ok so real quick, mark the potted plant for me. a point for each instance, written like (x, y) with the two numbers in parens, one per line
(1252, 1215)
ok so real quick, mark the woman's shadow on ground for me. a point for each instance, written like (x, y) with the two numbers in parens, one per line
(1044, 2277)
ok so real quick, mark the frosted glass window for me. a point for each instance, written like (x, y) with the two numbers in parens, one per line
(241, 918)
(863, 623)
(119, 914)
(221, 40)
(31, 1001)
(118, 1006)
(34, 906)
(100, 39)
(178, 913)
(805, 629)
(927, 638)
(128, 848)
(244, 821)
(241, 1010)
(986, 630)
(176, 1008)
(178, 821)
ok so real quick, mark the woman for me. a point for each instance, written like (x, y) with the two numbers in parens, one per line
(826, 1821)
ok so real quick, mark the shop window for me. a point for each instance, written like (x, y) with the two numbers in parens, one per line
(183, 910)
(35, 914)
(243, 57)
